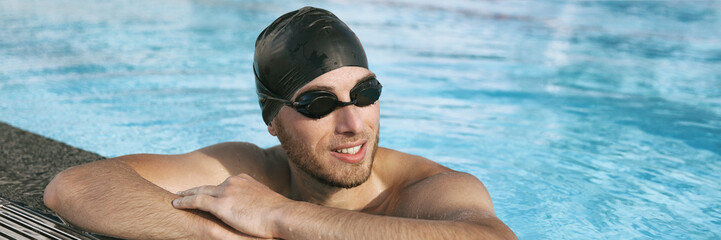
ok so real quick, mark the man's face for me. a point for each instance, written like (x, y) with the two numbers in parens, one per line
(323, 148)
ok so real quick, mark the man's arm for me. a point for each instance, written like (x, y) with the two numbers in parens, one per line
(444, 206)
(449, 205)
(128, 196)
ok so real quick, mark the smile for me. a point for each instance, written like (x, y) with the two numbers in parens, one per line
(349, 153)
(350, 150)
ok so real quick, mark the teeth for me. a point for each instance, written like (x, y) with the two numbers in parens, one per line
(350, 150)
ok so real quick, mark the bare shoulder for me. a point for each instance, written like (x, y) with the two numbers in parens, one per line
(432, 191)
(234, 157)
(206, 166)
(406, 170)
(403, 169)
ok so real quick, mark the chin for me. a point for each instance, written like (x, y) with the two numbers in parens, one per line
(347, 175)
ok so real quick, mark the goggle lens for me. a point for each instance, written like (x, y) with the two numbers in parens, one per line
(321, 106)
(367, 97)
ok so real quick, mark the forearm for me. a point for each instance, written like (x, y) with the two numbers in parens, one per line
(305, 220)
(108, 197)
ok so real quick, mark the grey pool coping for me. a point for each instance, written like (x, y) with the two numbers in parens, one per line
(29, 161)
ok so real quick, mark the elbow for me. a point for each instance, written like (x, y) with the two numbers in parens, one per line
(52, 197)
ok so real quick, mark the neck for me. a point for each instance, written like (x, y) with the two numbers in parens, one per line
(306, 188)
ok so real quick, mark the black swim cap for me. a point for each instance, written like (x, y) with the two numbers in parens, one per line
(298, 47)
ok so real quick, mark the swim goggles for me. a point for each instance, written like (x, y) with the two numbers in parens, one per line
(318, 103)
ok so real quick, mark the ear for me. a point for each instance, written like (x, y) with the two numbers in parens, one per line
(271, 128)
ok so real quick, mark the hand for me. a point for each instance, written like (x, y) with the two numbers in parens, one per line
(240, 201)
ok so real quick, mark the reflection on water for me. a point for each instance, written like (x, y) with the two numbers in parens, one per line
(585, 119)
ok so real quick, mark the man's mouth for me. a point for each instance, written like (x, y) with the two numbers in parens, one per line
(350, 154)
(350, 150)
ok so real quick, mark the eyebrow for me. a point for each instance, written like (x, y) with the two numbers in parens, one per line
(330, 88)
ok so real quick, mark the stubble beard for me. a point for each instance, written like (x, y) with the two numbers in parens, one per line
(335, 174)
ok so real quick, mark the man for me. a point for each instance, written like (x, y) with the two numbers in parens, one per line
(328, 179)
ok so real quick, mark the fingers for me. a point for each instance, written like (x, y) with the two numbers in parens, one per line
(201, 202)
(197, 198)
(207, 190)
(205, 197)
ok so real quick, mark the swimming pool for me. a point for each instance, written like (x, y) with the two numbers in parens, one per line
(585, 119)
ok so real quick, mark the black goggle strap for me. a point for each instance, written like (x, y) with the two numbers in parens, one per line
(265, 94)
(264, 97)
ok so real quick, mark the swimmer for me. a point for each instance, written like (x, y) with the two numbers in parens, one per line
(328, 179)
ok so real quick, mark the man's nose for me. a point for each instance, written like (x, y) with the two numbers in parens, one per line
(348, 120)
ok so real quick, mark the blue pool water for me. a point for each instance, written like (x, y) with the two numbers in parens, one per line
(585, 119)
